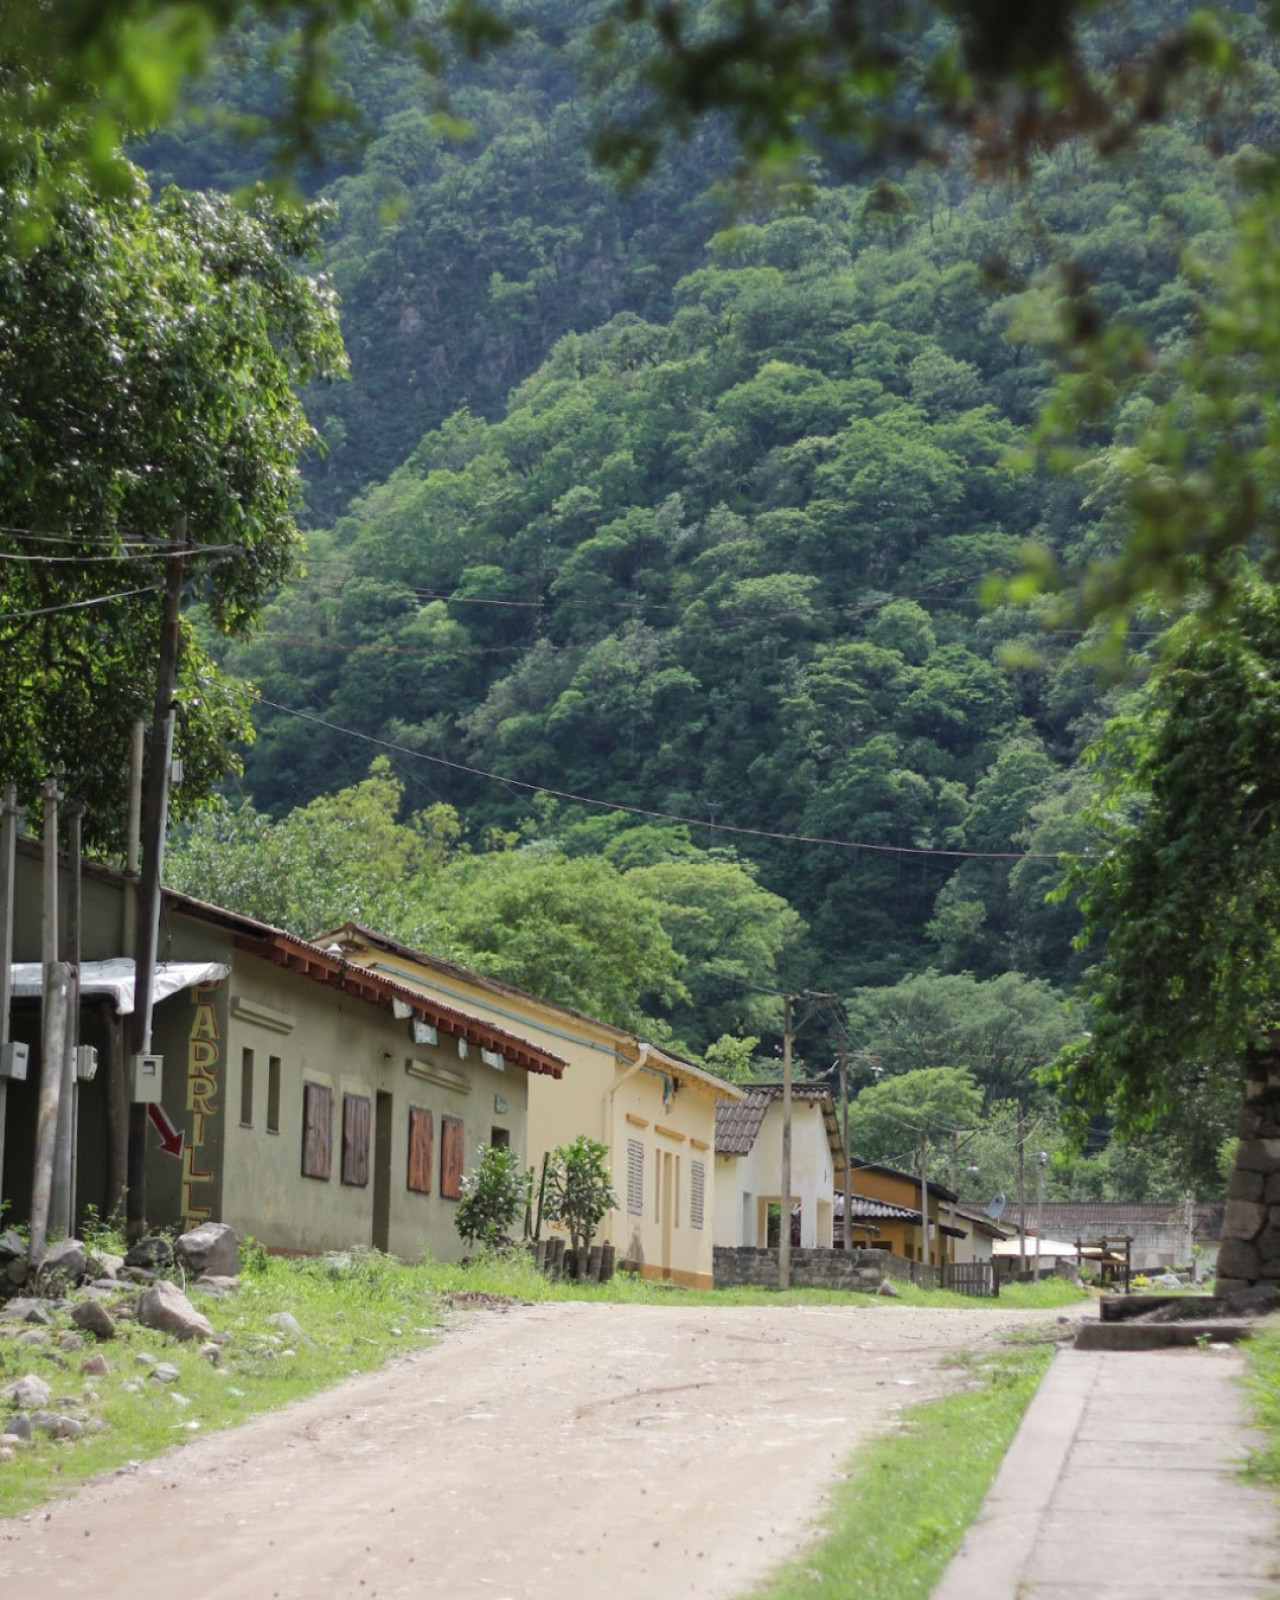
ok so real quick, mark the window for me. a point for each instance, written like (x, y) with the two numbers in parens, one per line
(697, 1192)
(246, 1088)
(452, 1158)
(635, 1177)
(420, 1150)
(273, 1094)
(500, 1138)
(317, 1131)
(355, 1140)
(675, 1209)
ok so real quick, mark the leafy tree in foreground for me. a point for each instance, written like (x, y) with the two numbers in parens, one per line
(147, 368)
(1186, 889)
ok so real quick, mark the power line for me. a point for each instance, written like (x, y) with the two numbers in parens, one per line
(77, 605)
(660, 816)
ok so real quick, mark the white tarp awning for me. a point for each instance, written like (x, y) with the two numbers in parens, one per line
(115, 979)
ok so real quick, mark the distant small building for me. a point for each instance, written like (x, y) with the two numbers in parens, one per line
(749, 1166)
(1163, 1231)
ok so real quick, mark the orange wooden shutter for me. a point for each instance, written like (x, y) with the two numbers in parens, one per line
(452, 1157)
(420, 1150)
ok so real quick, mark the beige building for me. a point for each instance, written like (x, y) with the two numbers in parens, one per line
(749, 1166)
(655, 1112)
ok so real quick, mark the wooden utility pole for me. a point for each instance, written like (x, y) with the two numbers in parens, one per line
(1022, 1193)
(62, 1201)
(52, 1032)
(924, 1206)
(155, 816)
(847, 1195)
(8, 837)
(784, 1220)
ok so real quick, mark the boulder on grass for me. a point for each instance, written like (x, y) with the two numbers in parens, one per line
(164, 1306)
(66, 1259)
(27, 1393)
(152, 1254)
(94, 1318)
(212, 1247)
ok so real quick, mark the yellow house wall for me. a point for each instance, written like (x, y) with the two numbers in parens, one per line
(903, 1238)
(595, 1097)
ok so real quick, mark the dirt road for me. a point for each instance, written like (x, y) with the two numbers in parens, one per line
(548, 1452)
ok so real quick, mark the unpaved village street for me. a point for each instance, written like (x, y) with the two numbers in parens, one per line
(546, 1452)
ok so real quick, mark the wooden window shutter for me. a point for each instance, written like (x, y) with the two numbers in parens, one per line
(452, 1158)
(697, 1193)
(420, 1150)
(355, 1140)
(317, 1131)
(635, 1177)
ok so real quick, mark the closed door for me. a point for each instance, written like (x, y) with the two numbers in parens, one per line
(382, 1172)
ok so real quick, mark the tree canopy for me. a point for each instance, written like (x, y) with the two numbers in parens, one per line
(150, 352)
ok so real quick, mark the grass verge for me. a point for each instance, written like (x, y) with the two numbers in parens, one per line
(351, 1320)
(1262, 1384)
(899, 1516)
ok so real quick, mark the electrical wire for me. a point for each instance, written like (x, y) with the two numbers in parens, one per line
(77, 605)
(660, 816)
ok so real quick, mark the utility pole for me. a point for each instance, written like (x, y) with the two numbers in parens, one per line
(784, 1220)
(1042, 1161)
(52, 1035)
(924, 1206)
(62, 1200)
(844, 1135)
(155, 816)
(8, 837)
(1022, 1194)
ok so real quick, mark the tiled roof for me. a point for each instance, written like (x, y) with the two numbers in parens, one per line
(863, 1209)
(738, 1125)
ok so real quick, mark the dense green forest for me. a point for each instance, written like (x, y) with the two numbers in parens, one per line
(648, 558)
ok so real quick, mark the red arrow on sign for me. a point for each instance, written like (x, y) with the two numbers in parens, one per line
(171, 1138)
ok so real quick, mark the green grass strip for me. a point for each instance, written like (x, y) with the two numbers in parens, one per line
(1262, 1385)
(898, 1517)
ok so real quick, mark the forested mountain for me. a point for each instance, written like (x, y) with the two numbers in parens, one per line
(689, 513)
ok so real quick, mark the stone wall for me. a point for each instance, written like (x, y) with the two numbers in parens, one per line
(755, 1267)
(1250, 1250)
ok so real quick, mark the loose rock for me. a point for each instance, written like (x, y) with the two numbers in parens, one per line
(71, 1342)
(166, 1372)
(94, 1318)
(56, 1425)
(152, 1254)
(30, 1392)
(95, 1367)
(286, 1322)
(211, 1248)
(164, 1306)
(16, 1427)
(66, 1259)
(889, 1289)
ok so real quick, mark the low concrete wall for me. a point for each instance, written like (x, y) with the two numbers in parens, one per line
(755, 1267)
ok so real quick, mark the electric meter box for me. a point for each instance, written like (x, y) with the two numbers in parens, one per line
(13, 1060)
(148, 1072)
(86, 1063)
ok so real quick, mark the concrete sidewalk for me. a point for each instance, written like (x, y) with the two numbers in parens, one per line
(1121, 1485)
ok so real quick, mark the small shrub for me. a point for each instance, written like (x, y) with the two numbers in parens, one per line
(494, 1194)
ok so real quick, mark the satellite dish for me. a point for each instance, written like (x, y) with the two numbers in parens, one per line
(995, 1208)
